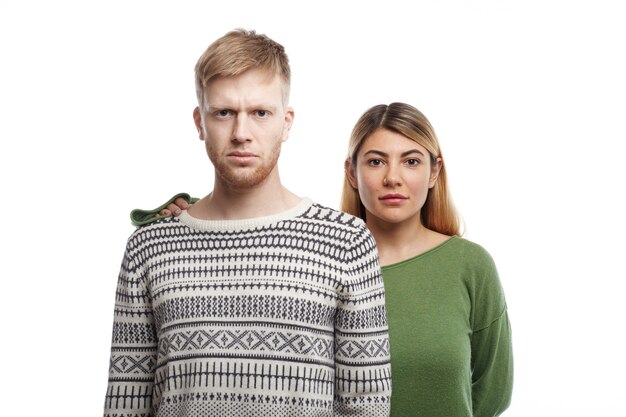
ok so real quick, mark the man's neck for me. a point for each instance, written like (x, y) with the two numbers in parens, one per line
(226, 203)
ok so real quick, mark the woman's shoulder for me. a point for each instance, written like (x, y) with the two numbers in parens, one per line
(470, 249)
(472, 257)
(483, 282)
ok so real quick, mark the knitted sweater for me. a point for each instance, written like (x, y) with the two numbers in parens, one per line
(450, 334)
(281, 315)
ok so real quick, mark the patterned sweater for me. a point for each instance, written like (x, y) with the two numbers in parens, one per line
(281, 315)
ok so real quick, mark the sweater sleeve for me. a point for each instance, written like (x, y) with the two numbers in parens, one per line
(492, 355)
(133, 346)
(362, 364)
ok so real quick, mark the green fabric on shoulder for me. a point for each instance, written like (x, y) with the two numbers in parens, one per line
(140, 217)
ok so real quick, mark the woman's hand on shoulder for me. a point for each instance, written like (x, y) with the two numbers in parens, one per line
(175, 208)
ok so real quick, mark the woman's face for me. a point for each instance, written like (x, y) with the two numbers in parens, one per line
(392, 175)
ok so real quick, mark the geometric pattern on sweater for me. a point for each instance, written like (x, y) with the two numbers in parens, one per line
(229, 404)
(263, 307)
(281, 316)
(247, 342)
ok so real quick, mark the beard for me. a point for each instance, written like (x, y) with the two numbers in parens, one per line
(244, 177)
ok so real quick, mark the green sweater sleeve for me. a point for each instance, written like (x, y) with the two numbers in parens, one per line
(492, 353)
(139, 217)
(492, 368)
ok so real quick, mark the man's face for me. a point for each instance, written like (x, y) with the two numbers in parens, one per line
(243, 123)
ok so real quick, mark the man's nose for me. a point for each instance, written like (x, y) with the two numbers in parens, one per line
(241, 129)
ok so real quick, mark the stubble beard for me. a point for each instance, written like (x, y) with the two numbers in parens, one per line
(244, 177)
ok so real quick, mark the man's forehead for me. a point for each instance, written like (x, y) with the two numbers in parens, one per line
(248, 89)
(221, 99)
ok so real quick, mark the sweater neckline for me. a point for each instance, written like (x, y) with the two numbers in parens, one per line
(244, 224)
(421, 255)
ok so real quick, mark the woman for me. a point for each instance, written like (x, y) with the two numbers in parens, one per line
(449, 331)
(448, 325)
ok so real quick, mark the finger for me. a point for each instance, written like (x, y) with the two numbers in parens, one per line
(174, 209)
(165, 213)
(182, 203)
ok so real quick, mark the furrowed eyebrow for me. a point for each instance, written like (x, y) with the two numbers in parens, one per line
(215, 107)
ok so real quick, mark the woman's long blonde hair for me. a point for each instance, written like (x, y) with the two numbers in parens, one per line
(438, 212)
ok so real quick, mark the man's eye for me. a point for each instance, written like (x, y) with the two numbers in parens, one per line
(223, 113)
(262, 113)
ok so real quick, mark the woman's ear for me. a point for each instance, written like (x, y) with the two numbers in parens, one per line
(434, 172)
(350, 174)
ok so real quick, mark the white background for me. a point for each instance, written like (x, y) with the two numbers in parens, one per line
(527, 97)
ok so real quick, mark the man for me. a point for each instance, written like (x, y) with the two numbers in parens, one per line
(254, 301)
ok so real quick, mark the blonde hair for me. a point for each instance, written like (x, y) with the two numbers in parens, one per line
(438, 212)
(237, 52)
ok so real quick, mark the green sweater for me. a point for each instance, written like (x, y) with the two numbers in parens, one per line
(449, 332)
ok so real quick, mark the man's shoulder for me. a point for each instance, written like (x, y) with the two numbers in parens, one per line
(157, 229)
(322, 213)
(333, 226)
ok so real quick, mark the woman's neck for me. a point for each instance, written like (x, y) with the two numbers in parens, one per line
(400, 241)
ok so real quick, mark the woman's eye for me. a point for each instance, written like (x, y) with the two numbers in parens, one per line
(413, 161)
(375, 162)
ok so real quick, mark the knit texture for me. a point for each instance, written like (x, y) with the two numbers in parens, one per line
(450, 335)
(281, 315)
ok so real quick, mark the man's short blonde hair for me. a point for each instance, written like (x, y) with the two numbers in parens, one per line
(238, 51)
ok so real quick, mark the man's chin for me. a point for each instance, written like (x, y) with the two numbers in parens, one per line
(245, 181)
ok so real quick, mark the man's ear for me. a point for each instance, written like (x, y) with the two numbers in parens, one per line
(197, 118)
(350, 173)
(288, 122)
(434, 172)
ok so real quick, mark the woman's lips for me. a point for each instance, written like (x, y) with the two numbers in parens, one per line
(393, 199)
